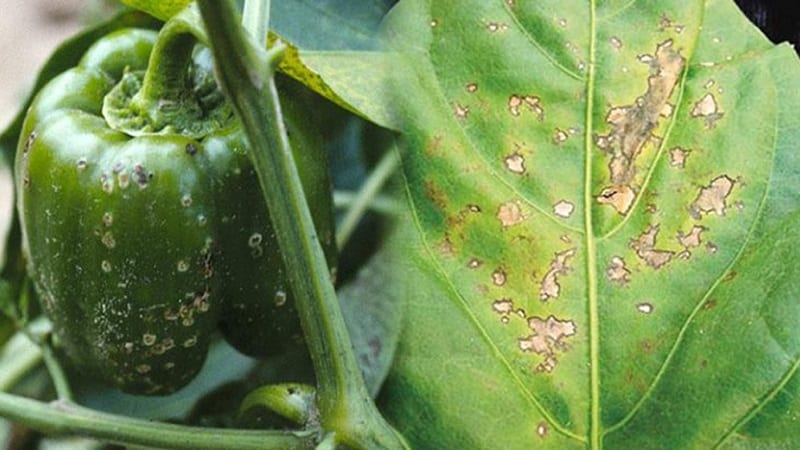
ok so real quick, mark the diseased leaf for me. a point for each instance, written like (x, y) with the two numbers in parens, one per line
(606, 197)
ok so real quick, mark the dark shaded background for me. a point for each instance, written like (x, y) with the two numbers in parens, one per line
(779, 19)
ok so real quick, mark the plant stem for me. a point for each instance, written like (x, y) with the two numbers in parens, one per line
(23, 355)
(57, 374)
(165, 97)
(382, 204)
(385, 168)
(67, 418)
(255, 19)
(345, 406)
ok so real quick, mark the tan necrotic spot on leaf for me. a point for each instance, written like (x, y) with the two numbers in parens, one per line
(632, 125)
(495, 27)
(515, 163)
(712, 198)
(518, 103)
(510, 213)
(618, 272)
(499, 277)
(616, 42)
(560, 136)
(645, 308)
(677, 157)
(620, 197)
(471, 87)
(645, 249)
(541, 429)
(474, 263)
(547, 338)
(693, 238)
(559, 266)
(564, 209)
(708, 109)
(690, 240)
(461, 111)
(504, 306)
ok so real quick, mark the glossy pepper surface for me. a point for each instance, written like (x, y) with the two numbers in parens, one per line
(143, 221)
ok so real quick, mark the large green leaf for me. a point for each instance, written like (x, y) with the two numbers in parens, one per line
(605, 196)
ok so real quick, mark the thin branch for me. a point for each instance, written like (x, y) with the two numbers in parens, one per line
(369, 190)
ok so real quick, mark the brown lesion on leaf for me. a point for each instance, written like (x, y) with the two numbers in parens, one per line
(499, 277)
(712, 198)
(503, 306)
(632, 125)
(519, 102)
(510, 213)
(564, 209)
(433, 146)
(474, 263)
(559, 266)
(677, 157)
(645, 247)
(495, 27)
(667, 110)
(707, 108)
(446, 248)
(547, 339)
(645, 308)
(471, 87)
(435, 195)
(617, 272)
(542, 429)
(515, 163)
(620, 197)
(560, 136)
(461, 111)
(690, 240)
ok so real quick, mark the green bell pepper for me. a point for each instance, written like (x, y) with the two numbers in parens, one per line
(142, 217)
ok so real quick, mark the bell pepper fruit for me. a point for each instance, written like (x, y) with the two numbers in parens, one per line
(143, 221)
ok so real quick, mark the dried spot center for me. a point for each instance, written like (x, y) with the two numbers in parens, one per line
(632, 125)
(550, 286)
(510, 213)
(645, 249)
(547, 339)
(712, 198)
(617, 272)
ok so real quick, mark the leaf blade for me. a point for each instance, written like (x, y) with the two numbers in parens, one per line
(603, 210)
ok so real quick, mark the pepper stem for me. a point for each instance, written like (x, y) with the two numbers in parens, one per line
(165, 99)
(166, 82)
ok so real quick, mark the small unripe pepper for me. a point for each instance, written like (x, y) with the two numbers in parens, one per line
(143, 221)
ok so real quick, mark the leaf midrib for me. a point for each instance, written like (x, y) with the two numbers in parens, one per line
(595, 434)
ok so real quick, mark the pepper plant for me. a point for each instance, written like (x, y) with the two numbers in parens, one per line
(602, 207)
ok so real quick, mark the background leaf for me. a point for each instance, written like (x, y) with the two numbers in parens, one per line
(342, 59)
(605, 197)
(373, 305)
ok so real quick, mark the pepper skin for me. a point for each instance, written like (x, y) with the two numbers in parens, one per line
(140, 242)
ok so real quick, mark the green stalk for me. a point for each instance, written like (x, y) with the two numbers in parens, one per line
(67, 418)
(385, 168)
(243, 68)
(381, 204)
(60, 382)
(165, 98)
(22, 356)
(255, 19)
